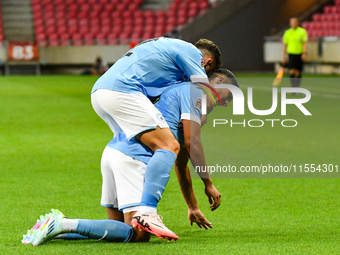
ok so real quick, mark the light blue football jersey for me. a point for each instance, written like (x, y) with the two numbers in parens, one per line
(153, 66)
(181, 101)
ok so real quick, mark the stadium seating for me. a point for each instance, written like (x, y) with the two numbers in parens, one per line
(88, 22)
(326, 23)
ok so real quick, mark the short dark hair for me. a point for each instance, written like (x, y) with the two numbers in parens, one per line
(208, 45)
(227, 73)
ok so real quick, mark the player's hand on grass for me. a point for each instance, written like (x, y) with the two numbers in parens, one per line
(196, 216)
(214, 197)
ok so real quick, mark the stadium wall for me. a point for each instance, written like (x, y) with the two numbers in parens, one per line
(240, 36)
(77, 55)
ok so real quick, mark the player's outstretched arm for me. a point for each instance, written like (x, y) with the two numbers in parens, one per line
(194, 147)
(185, 183)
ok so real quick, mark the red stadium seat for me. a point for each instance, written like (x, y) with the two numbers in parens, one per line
(158, 34)
(172, 22)
(160, 13)
(95, 29)
(72, 22)
(105, 30)
(148, 14)
(181, 20)
(50, 30)
(50, 22)
(136, 36)
(60, 15)
(128, 14)
(61, 30)
(41, 37)
(84, 30)
(94, 14)
(305, 25)
(101, 39)
(133, 7)
(127, 29)
(169, 28)
(73, 8)
(53, 40)
(117, 29)
(128, 22)
(65, 39)
(124, 38)
(106, 22)
(315, 25)
(328, 25)
(59, 2)
(160, 29)
(70, 2)
(112, 39)
(38, 22)
(94, 22)
(149, 29)
(39, 29)
(72, 29)
(46, 2)
(120, 8)
(77, 39)
(138, 29)
(138, 14)
(192, 12)
(203, 5)
(92, 2)
(327, 9)
(149, 21)
(183, 6)
(337, 26)
(84, 23)
(89, 39)
(81, 2)
(139, 22)
(104, 15)
(173, 6)
(72, 15)
(146, 36)
(49, 15)
(160, 21)
(49, 8)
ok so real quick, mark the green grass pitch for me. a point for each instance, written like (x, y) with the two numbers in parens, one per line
(51, 142)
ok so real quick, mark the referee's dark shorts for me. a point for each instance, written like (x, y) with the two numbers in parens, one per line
(295, 62)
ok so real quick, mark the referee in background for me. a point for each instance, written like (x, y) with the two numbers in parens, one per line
(295, 44)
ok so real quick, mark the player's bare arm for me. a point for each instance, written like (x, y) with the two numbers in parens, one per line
(193, 144)
(185, 183)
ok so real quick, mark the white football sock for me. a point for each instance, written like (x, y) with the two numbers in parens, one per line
(148, 210)
(69, 225)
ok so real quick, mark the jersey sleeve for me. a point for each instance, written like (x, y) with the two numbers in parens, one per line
(190, 104)
(305, 36)
(191, 62)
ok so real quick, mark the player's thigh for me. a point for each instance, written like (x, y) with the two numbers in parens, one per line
(133, 113)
